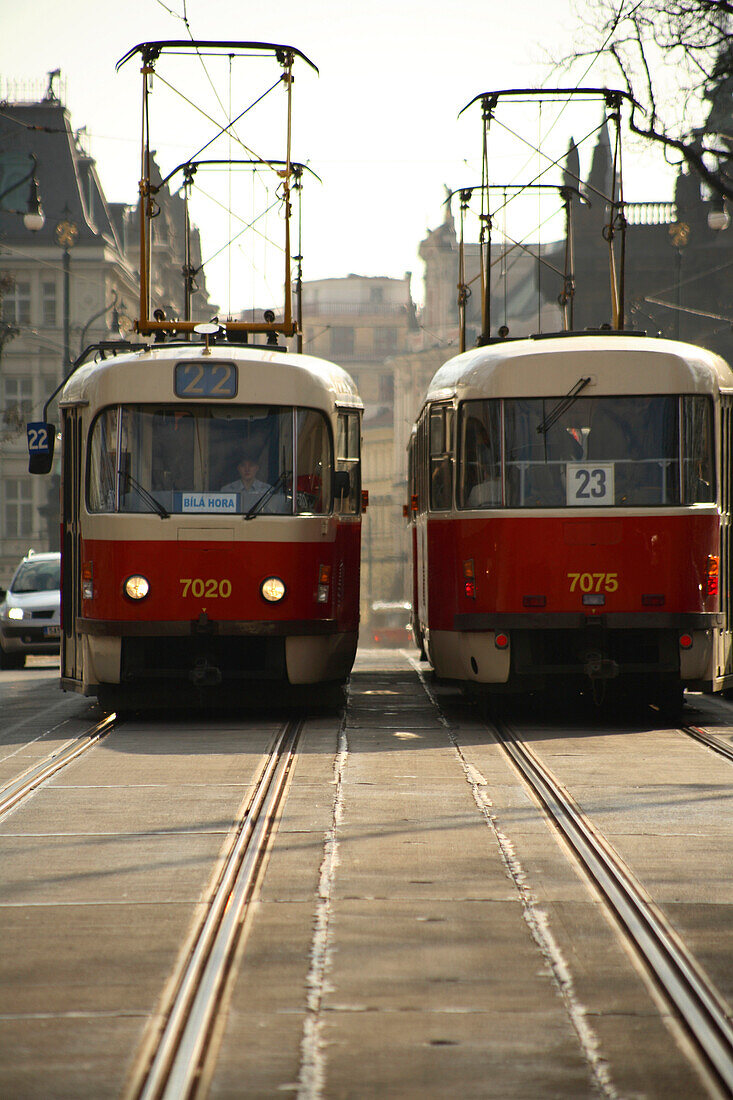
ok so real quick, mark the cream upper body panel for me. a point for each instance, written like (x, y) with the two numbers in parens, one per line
(264, 377)
(550, 367)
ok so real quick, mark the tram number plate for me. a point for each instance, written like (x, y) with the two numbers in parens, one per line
(589, 484)
(210, 588)
(593, 582)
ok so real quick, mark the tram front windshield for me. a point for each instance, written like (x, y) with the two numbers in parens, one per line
(247, 460)
(586, 452)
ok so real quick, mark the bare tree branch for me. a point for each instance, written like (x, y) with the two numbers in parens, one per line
(675, 58)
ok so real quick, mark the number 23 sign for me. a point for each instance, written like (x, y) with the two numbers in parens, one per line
(589, 484)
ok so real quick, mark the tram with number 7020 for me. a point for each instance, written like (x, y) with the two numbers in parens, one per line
(570, 516)
(211, 486)
(211, 516)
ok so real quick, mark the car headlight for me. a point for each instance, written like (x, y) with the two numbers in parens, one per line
(273, 589)
(15, 613)
(137, 587)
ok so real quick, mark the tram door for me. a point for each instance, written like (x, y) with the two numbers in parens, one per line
(71, 655)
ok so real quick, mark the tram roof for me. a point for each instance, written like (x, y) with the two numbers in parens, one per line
(272, 377)
(549, 366)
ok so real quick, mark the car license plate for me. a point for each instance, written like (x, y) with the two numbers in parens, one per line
(52, 631)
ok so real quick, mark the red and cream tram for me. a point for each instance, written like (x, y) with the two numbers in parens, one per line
(211, 521)
(570, 506)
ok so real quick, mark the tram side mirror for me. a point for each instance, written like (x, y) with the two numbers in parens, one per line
(341, 483)
(41, 439)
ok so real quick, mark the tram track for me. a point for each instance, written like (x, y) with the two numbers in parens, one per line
(704, 737)
(686, 988)
(16, 790)
(174, 1059)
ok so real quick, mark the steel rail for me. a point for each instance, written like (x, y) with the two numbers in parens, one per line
(709, 740)
(687, 988)
(181, 1047)
(18, 789)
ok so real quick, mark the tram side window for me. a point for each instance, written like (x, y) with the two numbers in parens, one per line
(101, 480)
(536, 453)
(174, 448)
(198, 459)
(411, 475)
(347, 490)
(591, 451)
(441, 457)
(698, 480)
(640, 437)
(251, 454)
(313, 463)
(480, 468)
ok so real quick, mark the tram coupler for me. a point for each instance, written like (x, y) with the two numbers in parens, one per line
(598, 667)
(205, 675)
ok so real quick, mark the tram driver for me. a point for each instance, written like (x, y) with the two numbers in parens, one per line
(248, 467)
(251, 490)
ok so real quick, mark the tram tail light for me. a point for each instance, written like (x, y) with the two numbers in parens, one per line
(501, 640)
(713, 574)
(87, 580)
(534, 601)
(653, 599)
(324, 583)
(685, 641)
(469, 579)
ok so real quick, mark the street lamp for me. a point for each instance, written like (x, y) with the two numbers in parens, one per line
(679, 234)
(33, 216)
(66, 234)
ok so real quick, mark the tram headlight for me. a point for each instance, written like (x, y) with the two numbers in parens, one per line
(272, 589)
(137, 587)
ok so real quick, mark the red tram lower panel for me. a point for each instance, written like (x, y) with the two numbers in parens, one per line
(516, 598)
(205, 619)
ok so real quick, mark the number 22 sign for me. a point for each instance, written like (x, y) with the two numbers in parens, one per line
(589, 484)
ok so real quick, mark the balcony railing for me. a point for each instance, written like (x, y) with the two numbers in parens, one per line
(354, 309)
(650, 213)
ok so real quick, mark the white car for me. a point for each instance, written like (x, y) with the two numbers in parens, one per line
(30, 619)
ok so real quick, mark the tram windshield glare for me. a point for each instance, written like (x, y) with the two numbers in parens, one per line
(612, 451)
(247, 460)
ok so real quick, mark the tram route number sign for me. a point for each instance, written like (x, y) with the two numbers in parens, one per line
(41, 438)
(589, 484)
(210, 380)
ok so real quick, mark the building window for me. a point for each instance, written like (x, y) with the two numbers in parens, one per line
(18, 510)
(18, 394)
(386, 389)
(385, 341)
(342, 341)
(17, 304)
(48, 304)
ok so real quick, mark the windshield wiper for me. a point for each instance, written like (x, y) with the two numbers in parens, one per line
(147, 497)
(562, 406)
(260, 504)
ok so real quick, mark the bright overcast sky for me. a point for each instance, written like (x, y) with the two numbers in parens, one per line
(379, 125)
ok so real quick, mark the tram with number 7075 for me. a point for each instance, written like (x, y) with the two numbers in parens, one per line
(570, 516)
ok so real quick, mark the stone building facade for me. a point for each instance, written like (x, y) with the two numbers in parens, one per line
(70, 283)
(362, 323)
